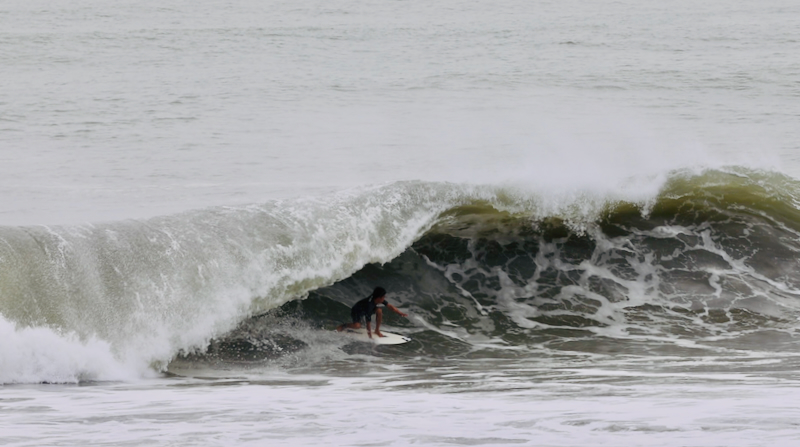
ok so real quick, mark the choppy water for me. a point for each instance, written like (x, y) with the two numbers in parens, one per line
(590, 213)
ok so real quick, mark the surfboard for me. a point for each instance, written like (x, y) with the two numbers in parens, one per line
(388, 338)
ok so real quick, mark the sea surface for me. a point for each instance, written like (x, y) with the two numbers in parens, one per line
(590, 212)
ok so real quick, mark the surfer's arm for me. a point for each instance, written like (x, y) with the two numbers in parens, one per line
(369, 328)
(396, 310)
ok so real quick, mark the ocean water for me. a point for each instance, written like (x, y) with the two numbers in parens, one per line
(589, 210)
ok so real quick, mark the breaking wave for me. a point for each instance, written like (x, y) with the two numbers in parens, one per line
(710, 261)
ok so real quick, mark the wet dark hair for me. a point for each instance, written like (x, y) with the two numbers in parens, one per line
(377, 293)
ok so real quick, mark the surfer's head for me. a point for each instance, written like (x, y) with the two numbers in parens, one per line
(379, 292)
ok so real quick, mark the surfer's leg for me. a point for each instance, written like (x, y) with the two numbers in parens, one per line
(358, 320)
(342, 326)
(378, 320)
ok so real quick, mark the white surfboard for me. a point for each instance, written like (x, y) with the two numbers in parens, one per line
(388, 338)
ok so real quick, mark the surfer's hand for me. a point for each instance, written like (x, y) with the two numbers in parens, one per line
(403, 315)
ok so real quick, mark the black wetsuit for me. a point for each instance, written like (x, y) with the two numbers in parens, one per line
(363, 310)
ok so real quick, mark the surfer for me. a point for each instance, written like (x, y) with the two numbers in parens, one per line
(362, 312)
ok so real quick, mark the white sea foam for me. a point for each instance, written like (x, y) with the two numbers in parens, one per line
(40, 354)
(585, 406)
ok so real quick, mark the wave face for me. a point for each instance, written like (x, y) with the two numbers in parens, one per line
(714, 260)
(710, 260)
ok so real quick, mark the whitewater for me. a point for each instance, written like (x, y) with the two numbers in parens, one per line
(590, 212)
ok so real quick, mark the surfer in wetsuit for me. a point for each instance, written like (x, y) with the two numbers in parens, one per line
(362, 312)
